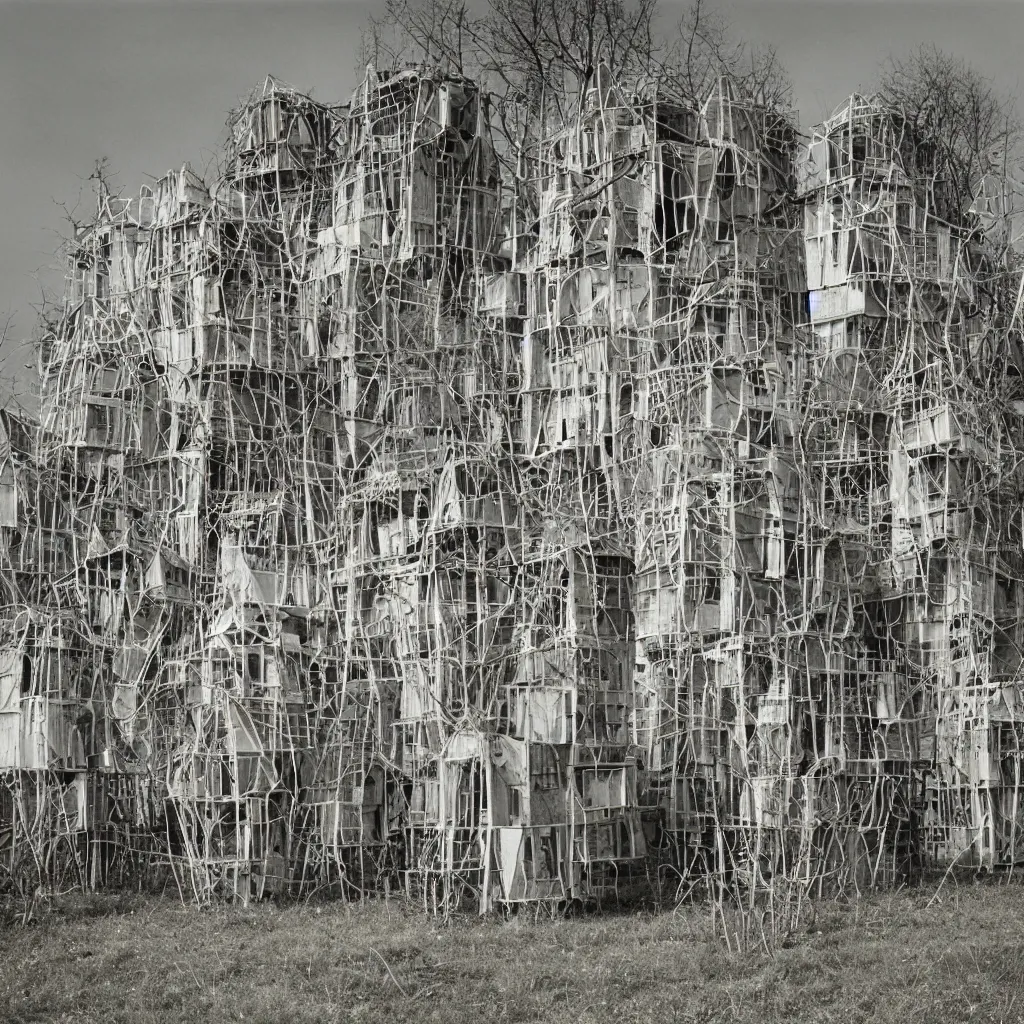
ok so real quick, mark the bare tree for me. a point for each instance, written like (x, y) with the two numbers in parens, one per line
(704, 48)
(535, 60)
(552, 49)
(952, 106)
(543, 54)
(440, 32)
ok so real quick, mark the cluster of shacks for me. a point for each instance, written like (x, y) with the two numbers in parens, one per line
(653, 515)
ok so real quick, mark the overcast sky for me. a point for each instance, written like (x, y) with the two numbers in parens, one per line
(148, 83)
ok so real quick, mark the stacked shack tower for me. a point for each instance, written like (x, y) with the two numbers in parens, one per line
(913, 421)
(715, 416)
(416, 610)
(653, 513)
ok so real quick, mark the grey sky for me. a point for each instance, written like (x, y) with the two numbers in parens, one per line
(148, 84)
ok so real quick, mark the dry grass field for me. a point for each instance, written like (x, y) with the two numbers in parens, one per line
(910, 957)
